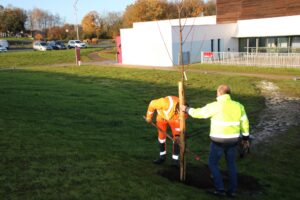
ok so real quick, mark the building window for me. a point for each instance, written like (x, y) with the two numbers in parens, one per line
(243, 44)
(252, 44)
(219, 45)
(262, 43)
(212, 45)
(282, 44)
(295, 44)
(272, 42)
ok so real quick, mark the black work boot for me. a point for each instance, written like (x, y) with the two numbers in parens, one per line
(160, 160)
(175, 156)
(162, 152)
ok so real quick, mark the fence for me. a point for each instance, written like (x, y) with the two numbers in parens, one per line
(252, 59)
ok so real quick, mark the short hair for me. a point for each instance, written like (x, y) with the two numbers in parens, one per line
(223, 89)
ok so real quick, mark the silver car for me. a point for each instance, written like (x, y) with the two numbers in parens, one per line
(41, 46)
(3, 49)
(76, 43)
(4, 43)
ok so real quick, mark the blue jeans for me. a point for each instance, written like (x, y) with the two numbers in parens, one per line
(216, 152)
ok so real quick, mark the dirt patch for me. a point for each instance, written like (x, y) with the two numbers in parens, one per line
(199, 177)
(280, 114)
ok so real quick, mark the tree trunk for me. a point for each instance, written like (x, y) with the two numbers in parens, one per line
(182, 133)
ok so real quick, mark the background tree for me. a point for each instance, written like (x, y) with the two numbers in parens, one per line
(149, 10)
(192, 8)
(145, 10)
(38, 36)
(91, 24)
(210, 8)
(70, 32)
(12, 20)
(56, 33)
(39, 19)
(111, 24)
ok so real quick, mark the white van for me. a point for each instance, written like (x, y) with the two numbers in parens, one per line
(4, 43)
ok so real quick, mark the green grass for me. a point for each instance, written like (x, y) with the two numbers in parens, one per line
(78, 133)
(248, 69)
(35, 58)
(16, 39)
(289, 87)
(108, 54)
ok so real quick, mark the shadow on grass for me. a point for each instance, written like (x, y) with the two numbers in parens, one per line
(199, 177)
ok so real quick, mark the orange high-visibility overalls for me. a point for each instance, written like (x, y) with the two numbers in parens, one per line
(167, 114)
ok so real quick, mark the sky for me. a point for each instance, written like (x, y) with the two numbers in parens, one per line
(65, 7)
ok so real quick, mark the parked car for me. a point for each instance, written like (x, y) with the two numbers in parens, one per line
(76, 43)
(41, 46)
(60, 45)
(4, 43)
(56, 45)
(3, 49)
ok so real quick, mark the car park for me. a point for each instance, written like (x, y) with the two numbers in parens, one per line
(57, 45)
(3, 49)
(4, 43)
(41, 46)
(76, 43)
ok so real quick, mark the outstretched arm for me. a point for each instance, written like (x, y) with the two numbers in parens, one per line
(204, 112)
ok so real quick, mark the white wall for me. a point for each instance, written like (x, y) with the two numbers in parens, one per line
(147, 44)
(198, 38)
(150, 43)
(275, 26)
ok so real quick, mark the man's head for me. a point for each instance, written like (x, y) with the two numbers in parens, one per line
(223, 89)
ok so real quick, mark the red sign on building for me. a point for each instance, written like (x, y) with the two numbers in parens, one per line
(208, 54)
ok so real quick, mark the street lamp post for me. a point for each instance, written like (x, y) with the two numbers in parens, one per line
(75, 12)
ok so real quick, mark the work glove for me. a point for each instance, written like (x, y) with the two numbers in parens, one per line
(183, 108)
(148, 120)
(244, 147)
(245, 144)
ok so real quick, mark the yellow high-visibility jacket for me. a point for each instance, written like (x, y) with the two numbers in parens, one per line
(165, 107)
(228, 119)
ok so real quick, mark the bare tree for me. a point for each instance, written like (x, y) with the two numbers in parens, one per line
(41, 19)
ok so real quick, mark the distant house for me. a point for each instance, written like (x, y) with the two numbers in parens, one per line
(239, 26)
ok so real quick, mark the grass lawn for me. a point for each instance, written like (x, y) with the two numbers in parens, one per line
(248, 69)
(109, 54)
(16, 39)
(34, 58)
(78, 133)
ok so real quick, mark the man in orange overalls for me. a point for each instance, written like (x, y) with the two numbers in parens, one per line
(167, 114)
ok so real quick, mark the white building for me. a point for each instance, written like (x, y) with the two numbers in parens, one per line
(156, 43)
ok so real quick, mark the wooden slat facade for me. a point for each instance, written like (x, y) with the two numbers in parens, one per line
(229, 11)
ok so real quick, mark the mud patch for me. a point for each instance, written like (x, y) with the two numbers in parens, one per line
(199, 177)
(280, 114)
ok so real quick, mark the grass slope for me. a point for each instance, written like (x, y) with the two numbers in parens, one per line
(36, 58)
(78, 133)
(248, 69)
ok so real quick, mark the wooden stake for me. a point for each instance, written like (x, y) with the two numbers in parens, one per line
(181, 99)
(182, 135)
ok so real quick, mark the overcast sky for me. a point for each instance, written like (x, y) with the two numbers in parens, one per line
(65, 7)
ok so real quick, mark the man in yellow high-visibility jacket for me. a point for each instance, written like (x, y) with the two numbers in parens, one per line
(228, 122)
(167, 115)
